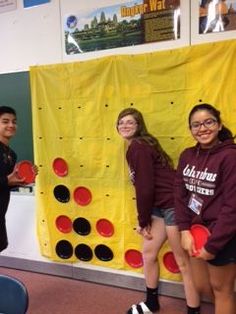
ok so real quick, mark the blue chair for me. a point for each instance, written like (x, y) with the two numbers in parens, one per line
(13, 296)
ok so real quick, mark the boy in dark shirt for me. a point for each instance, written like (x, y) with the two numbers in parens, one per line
(8, 173)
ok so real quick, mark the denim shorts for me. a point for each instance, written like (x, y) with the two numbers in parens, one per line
(167, 214)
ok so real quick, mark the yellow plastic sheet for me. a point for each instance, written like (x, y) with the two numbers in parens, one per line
(75, 106)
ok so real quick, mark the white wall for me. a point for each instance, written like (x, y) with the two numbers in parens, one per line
(21, 226)
(30, 37)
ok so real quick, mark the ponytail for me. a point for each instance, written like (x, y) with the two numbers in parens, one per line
(225, 134)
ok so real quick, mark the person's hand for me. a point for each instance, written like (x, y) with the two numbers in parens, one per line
(187, 242)
(35, 169)
(145, 232)
(204, 254)
(13, 179)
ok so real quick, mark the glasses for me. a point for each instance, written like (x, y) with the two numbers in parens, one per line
(209, 123)
(127, 123)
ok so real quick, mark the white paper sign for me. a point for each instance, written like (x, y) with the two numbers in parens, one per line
(7, 5)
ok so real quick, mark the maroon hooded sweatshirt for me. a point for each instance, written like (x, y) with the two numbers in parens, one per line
(211, 175)
(153, 181)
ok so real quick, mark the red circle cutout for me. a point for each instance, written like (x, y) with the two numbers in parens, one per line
(170, 263)
(134, 258)
(60, 167)
(64, 224)
(105, 228)
(82, 196)
(25, 170)
(200, 234)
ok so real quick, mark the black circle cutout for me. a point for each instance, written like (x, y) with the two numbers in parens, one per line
(82, 226)
(83, 252)
(61, 193)
(64, 249)
(104, 253)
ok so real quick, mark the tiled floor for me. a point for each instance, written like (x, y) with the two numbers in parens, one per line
(56, 295)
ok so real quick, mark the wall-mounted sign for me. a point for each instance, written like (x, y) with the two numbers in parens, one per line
(32, 3)
(7, 5)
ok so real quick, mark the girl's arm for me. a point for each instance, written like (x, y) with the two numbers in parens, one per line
(182, 212)
(141, 163)
(225, 227)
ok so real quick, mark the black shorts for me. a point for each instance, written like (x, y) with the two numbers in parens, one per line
(225, 256)
(3, 234)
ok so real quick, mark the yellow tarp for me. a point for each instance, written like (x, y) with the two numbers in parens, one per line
(75, 106)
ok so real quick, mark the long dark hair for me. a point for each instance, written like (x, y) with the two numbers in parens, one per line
(142, 133)
(224, 133)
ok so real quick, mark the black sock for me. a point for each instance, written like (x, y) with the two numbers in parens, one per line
(152, 299)
(193, 310)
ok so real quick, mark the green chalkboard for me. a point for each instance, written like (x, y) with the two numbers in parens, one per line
(15, 92)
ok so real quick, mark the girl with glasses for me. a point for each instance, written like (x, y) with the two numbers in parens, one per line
(205, 194)
(152, 174)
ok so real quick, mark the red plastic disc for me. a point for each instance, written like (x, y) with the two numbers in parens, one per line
(134, 258)
(200, 234)
(82, 196)
(105, 228)
(25, 170)
(60, 167)
(64, 224)
(170, 263)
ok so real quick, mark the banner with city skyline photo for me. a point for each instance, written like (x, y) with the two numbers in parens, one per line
(122, 25)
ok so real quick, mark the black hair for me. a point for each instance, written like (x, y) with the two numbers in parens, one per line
(5, 109)
(143, 134)
(224, 133)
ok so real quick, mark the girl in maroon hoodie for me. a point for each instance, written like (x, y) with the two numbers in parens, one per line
(205, 193)
(152, 174)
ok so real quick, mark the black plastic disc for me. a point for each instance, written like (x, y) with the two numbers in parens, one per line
(83, 252)
(62, 193)
(103, 252)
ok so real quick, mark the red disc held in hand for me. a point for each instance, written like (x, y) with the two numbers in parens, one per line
(200, 234)
(25, 170)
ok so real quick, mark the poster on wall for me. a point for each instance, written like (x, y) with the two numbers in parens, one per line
(121, 25)
(7, 5)
(217, 16)
(32, 3)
